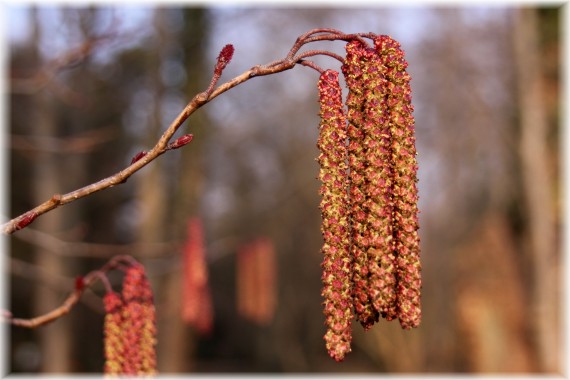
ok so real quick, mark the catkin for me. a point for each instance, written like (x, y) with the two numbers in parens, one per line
(337, 262)
(403, 157)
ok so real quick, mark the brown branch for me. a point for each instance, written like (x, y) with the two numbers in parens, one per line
(49, 317)
(57, 282)
(72, 299)
(312, 53)
(312, 65)
(163, 143)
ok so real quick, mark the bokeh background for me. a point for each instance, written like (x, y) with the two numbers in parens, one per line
(89, 87)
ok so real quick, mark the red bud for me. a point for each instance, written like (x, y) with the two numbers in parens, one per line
(79, 283)
(224, 58)
(138, 156)
(28, 218)
(181, 141)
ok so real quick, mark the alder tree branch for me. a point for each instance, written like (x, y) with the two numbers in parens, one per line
(163, 145)
(58, 283)
(81, 284)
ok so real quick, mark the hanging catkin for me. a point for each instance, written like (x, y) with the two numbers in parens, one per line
(337, 262)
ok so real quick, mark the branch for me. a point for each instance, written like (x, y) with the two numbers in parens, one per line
(144, 158)
(81, 284)
(60, 283)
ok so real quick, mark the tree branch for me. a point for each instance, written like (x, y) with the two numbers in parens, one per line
(59, 283)
(80, 286)
(163, 143)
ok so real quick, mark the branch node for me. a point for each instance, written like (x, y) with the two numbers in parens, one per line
(56, 199)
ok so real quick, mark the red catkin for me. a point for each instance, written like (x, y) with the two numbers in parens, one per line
(196, 308)
(139, 323)
(113, 334)
(337, 261)
(403, 157)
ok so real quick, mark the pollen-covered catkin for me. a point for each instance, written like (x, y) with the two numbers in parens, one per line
(379, 190)
(337, 262)
(357, 58)
(139, 323)
(113, 336)
(398, 111)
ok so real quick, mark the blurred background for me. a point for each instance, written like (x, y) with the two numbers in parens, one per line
(89, 87)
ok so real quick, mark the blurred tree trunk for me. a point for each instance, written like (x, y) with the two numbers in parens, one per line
(192, 39)
(152, 197)
(55, 339)
(538, 189)
(151, 183)
(166, 208)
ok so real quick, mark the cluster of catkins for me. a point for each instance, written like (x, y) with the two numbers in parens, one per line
(130, 327)
(368, 171)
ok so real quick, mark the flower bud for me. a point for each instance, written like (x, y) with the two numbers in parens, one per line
(181, 141)
(224, 58)
(138, 156)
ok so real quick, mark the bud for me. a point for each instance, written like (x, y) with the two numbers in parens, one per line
(224, 58)
(79, 283)
(180, 142)
(138, 156)
(26, 219)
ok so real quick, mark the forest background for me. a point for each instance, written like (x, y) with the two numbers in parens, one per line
(486, 87)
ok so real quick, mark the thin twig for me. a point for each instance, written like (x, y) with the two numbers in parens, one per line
(71, 300)
(60, 283)
(344, 37)
(49, 317)
(312, 53)
(312, 65)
